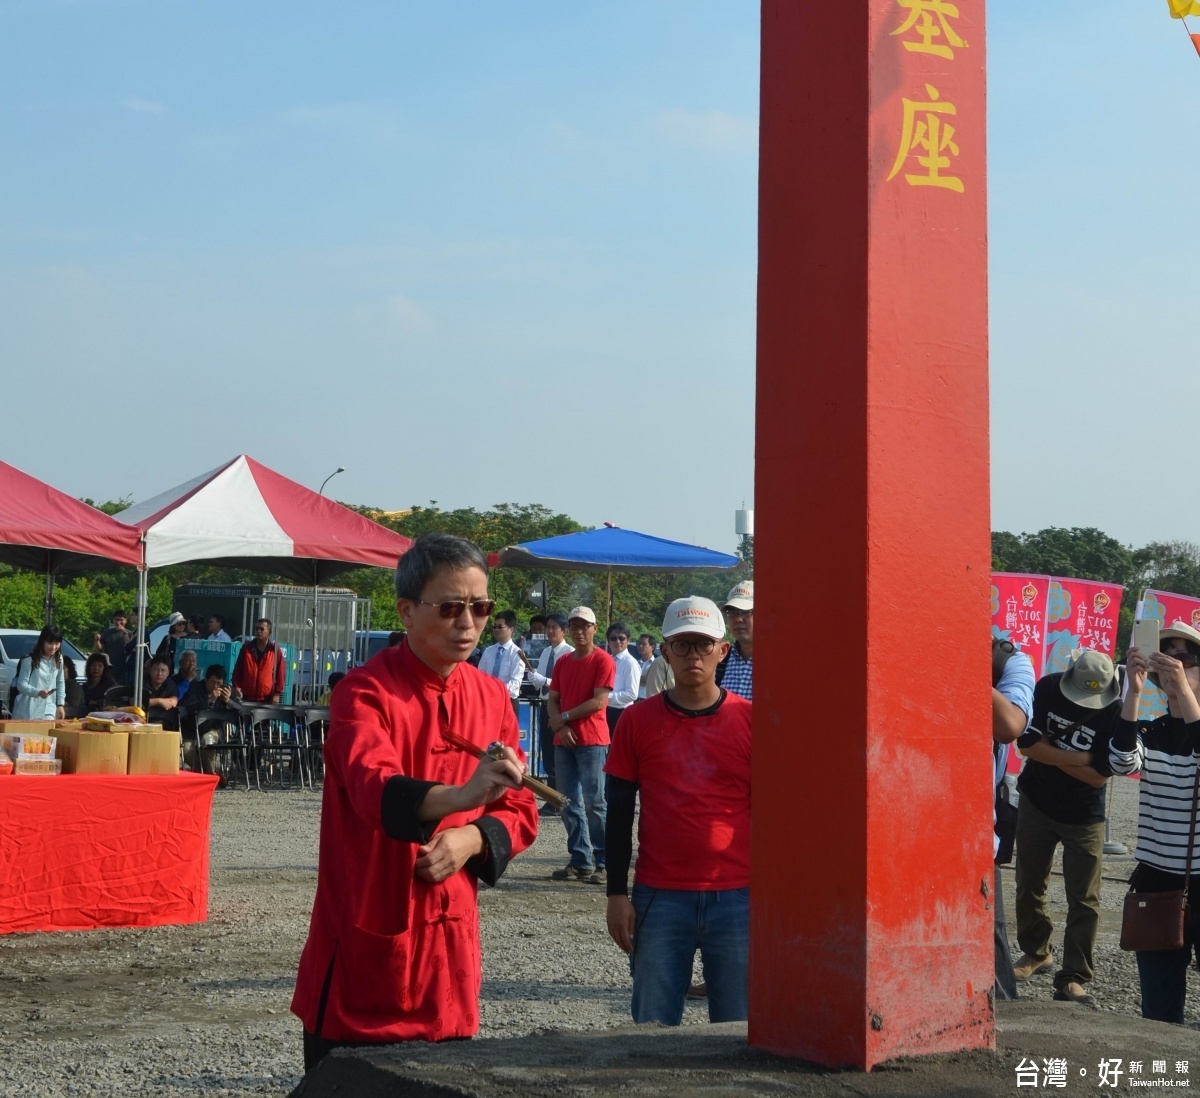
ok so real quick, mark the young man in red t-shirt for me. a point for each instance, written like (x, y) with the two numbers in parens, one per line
(576, 702)
(686, 754)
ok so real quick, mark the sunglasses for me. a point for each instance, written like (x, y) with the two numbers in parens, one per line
(1187, 659)
(702, 647)
(453, 608)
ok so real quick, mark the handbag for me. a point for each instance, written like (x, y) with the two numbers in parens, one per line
(1155, 921)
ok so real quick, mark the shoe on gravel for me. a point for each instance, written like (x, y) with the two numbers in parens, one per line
(1075, 993)
(698, 991)
(599, 877)
(571, 873)
(1032, 966)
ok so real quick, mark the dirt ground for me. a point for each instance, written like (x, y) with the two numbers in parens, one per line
(204, 1009)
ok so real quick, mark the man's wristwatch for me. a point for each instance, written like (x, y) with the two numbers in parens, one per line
(566, 717)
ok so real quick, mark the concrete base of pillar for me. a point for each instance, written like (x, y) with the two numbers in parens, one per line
(716, 1060)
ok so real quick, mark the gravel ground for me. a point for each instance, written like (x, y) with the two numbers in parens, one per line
(204, 1009)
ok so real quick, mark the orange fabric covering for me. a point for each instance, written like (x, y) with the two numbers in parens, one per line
(91, 850)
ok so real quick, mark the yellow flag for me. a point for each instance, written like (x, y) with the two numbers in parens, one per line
(1180, 8)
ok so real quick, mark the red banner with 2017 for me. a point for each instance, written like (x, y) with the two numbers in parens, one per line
(1049, 617)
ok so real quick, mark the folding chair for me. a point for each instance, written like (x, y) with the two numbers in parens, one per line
(277, 730)
(316, 727)
(118, 695)
(233, 740)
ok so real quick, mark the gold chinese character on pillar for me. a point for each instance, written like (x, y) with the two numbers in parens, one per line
(928, 25)
(928, 139)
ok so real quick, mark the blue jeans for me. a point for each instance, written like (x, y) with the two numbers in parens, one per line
(579, 774)
(670, 926)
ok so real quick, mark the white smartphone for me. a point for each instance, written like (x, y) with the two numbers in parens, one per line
(1145, 635)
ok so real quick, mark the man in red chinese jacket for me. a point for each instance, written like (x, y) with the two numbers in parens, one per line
(410, 825)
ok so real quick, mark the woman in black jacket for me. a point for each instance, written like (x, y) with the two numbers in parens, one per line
(98, 680)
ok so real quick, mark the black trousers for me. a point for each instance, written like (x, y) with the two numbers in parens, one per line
(545, 742)
(317, 1048)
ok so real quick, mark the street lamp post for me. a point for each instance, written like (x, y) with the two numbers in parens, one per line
(316, 651)
(339, 469)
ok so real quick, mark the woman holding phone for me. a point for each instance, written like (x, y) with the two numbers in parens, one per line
(1168, 754)
(41, 685)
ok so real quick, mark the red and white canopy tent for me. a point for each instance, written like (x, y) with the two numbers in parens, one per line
(48, 531)
(244, 515)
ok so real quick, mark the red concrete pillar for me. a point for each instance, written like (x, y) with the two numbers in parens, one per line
(872, 875)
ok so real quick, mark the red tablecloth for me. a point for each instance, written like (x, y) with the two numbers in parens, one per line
(88, 850)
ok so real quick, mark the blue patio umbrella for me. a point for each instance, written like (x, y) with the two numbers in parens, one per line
(611, 549)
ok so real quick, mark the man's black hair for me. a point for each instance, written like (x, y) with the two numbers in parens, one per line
(159, 659)
(267, 620)
(431, 552)
(335, 678)
(647, 637)
(509, 617)
(618, 627)
(536, 618)
(215, 671)
(559, 619)
(218, 619)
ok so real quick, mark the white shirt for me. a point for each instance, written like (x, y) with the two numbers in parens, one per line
(542, 674)
(503, 662)
(629, 678)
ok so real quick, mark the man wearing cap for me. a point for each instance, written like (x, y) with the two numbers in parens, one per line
(685, 754)
(736, 672)
(1070, 758)
(176, 631)
(577, 701)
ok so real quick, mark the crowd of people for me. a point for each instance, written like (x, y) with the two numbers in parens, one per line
(657, 737)
(1075, 732)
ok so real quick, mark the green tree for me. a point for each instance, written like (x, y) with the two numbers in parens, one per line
(1169, 566)
(1076, 553)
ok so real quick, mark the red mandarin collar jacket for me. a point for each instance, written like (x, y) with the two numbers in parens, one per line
(390, 957)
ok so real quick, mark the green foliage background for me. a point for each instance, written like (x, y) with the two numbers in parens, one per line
(84, 603)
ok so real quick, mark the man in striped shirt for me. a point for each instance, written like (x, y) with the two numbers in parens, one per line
(1168, 754)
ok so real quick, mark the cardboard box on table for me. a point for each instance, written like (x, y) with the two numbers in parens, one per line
(93, 752)
(10, 729)
(153, 752)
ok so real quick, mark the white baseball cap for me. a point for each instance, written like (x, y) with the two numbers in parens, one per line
(584, 612)
(693, 615)
(742, 596)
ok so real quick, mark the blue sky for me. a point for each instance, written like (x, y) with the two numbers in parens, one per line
(486, 252)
